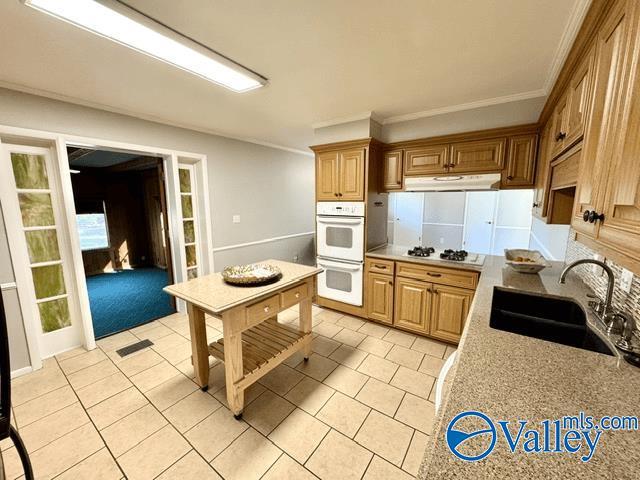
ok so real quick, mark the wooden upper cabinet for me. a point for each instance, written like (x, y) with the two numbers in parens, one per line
(430, 160)
(478, 156)
(603, 132)
(392, 175)
(621, 200)
(351, 175)
(412, 308)
(449, 312)
(559, 129)
(379, 297)
(541, 193)
(327, 187)
(521, 161)
(579, 99)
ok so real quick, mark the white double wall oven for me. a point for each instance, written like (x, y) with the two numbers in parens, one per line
(37, 203)
(340, 248)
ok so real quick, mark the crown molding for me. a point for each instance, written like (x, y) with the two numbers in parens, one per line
(350, 118)
(576, 17)
(465, 106)
(150, 118)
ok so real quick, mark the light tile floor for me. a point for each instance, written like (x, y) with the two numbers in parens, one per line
(362, 407)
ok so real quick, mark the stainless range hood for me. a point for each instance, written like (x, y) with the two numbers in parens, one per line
(453, 183)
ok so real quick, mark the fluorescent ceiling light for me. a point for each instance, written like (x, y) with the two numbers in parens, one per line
(117, 22)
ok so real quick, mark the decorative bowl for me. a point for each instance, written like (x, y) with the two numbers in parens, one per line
(525, 261)
(251, 275)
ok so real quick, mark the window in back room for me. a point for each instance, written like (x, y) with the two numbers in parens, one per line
(92, 230)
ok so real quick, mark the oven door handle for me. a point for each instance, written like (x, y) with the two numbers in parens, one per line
(333, 266)
(340, 221)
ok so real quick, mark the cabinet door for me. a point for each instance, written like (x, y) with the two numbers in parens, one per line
(621, 203)
(579, 96)
(379, 297)
(412, 305)
(392, 179)
(603, 128)
(449, 312)
(542, 172)
(351, 175)
(521, 161)
(327, 176)
(559, 133)
(431, 160)
(478, 156)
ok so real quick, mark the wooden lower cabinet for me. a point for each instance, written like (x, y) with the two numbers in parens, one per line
(379, 297)
(449, 309)
(412, 305)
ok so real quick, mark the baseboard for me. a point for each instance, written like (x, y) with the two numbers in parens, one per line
(21, 371)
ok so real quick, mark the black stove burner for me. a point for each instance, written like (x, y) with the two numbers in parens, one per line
(454, 255)
(421, 251)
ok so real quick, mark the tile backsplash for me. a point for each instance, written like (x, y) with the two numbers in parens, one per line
(626, 302)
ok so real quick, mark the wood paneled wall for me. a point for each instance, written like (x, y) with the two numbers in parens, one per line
(133, 213)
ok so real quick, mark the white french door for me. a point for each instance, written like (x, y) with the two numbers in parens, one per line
(190, 221)
(39, 244)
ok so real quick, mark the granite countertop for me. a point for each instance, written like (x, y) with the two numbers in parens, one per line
(514, 377)
(214, 295)
(398, 253)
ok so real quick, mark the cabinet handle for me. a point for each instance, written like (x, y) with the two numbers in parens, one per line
(560, 136)
(297, 294)
(451, 165)
(390, 282)
(585, 215)
(509, 177)
(339, 194)
(384, 267)
(336, 194)
(266, 309)
(434, 274)
(536, 204)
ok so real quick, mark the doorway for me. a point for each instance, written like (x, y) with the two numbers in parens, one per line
(121, 218)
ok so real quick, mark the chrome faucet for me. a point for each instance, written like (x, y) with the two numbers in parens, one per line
(604, 310)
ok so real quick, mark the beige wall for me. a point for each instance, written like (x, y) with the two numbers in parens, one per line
(272, 190)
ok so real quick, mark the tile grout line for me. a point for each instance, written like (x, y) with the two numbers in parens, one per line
(94, 426)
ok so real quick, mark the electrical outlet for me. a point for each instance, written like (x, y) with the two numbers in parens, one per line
(236, 219)
(441, 240)
(625, 280)
(595, 268)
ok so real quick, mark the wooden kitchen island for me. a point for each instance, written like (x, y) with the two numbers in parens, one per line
(253, 341)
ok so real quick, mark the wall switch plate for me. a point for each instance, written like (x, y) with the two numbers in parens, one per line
(236, 219)
(595, 268)
(625, 280)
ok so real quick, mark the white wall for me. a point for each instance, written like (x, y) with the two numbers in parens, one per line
(550, 240)
(445, 219)
(272, 190)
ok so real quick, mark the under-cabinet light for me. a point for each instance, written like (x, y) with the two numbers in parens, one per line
(120, 23)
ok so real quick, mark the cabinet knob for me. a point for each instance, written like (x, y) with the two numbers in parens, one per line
(595, 216)
(266, 309)
(336, 194)
(339, 194)
(297, 294)
(509, 177)
(536, 204)
(390, 282)
(560, 136)
(451, 165)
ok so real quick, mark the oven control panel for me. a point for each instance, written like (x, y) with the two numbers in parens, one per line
(346, 209)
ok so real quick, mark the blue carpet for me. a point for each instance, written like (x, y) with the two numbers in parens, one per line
(126, 299)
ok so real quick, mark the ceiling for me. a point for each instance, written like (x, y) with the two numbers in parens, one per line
(325, 60)
(98, 158)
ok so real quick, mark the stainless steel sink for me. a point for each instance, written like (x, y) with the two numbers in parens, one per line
(552, 319)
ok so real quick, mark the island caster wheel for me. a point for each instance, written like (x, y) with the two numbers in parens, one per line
(238, 416)
(205, 388)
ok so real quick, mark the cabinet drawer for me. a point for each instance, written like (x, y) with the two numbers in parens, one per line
(439, 275)
(294, 295)
(262, 310)
(377, 265)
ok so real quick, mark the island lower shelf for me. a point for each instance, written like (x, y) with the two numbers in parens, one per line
(264, 347)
